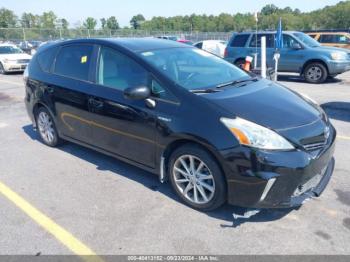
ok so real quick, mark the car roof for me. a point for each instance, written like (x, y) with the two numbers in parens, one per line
(132, 44)
(268, 32)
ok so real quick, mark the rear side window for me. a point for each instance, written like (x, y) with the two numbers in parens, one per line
(74, 61)
(270, 40)
(336, 39)
(46, 58)
(239, 41)
(327, 39)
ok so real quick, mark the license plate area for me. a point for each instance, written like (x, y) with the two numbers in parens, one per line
(310, 184)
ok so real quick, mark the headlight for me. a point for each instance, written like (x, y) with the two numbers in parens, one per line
(254, 135)
(338, 56)
(6, 60)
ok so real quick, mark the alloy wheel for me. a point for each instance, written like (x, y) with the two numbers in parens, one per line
(314, 73)
(46, 128)
(194, 179)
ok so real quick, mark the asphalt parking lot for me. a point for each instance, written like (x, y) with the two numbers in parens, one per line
(94, 203)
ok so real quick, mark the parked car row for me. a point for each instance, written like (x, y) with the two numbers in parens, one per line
(13, 59)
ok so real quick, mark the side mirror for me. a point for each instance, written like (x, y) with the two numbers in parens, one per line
(296, 46)
(137, 93)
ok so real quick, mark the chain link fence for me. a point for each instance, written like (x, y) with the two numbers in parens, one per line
(38, 34)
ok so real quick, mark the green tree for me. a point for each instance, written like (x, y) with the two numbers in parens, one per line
(90, 23)
(112, 23)
(269, 9)
(64, 23)
(48, 20)
(103, 23)
(7, 18)
(137, 20)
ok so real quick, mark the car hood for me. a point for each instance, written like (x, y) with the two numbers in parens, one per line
(268, 104)
(331, 48)
(15, 56)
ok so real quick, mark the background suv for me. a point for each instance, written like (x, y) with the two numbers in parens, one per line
(337, 39)
(300, 54)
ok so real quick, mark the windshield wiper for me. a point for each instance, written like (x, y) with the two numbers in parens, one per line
(232, 83)
(204, 91)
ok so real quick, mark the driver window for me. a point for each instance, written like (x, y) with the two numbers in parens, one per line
(119, 71)
(288, 41)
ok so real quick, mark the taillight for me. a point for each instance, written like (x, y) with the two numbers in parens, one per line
(226, 53)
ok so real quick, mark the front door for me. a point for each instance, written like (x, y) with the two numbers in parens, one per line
(121, 126)
(291, 59)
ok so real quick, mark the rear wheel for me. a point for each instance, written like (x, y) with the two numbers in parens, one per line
(197, 178)
(46, 127)
(240, 63)
(315, 73)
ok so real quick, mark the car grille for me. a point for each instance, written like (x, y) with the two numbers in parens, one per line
(23, 61)
(317, 142)
(315, 146)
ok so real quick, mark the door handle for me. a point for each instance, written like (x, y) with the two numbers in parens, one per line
(96, 103)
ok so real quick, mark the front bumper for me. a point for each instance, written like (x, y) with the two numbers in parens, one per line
(266, 179)
(338, 67)
(15, 67)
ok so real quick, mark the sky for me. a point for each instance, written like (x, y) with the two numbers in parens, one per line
(123, 10)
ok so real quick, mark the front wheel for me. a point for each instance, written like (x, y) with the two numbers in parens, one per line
(315, 73)
(197, 178)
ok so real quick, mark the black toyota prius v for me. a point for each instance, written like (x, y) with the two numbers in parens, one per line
(217, 133)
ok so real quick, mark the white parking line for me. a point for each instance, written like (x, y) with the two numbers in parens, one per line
(2, 125)
(344, 137)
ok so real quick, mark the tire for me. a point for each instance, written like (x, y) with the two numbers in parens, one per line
(209, 182)
(315, 73)
(46, 127)
(240, 63)
(2, 70)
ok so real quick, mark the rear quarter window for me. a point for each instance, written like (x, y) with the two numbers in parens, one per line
(239, 41)
(74, 61)
(46, 58)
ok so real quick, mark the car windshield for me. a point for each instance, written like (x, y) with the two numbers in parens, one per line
(193, 68)
(307, 40)
(10, 50)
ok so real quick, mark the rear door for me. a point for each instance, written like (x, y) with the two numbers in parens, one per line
(255, 47)
(71, 82)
